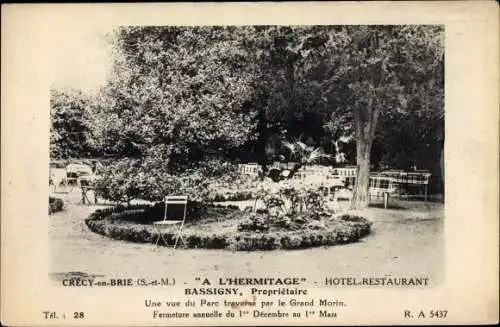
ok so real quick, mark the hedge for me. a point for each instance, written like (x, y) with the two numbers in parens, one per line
(235, 196)
(111, 223)
(146, 213)
(55, 205)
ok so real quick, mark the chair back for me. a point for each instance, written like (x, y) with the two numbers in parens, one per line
(84, 182)
(175, 207)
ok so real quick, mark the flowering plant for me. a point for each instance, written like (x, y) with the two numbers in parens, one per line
(288, 199)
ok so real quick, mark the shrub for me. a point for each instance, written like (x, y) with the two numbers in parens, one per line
(352, 218)
(255, 223)
(126, 179)
(261, 221)
(55, 205)
(292, 199)
(253, 242)
(228, 196)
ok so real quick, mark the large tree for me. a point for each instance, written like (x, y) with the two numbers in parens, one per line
(390, 69)
(177, 97)
(380, 73)
(181, 88)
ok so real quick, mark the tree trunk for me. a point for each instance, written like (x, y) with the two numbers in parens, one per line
(360, 197)
(366, 122)
(263, 136)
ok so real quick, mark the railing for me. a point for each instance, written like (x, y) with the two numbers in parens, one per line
(249, 169)
(418, 178)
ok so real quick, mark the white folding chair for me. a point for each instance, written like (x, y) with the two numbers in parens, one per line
(59, 178)
(178, 200)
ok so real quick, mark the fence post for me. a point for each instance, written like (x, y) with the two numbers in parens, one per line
(386, 199)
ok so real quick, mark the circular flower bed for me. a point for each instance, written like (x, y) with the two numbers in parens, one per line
(55, 205)
(229, 228)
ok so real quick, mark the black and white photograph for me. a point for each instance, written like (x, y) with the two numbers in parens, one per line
(234, 147)
(236, 170)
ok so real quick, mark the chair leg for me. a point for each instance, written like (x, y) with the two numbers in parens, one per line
(176, 240)
(160, 235)
(158, 238)
(179, 236)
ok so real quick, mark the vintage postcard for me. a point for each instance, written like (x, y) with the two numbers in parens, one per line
(308, 163)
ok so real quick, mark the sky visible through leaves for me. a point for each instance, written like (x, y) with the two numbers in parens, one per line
(82, 61)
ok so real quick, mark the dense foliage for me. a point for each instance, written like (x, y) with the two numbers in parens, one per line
(70, 129)
(131, 178)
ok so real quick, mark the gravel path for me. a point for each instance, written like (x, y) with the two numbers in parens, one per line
(403, 243)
